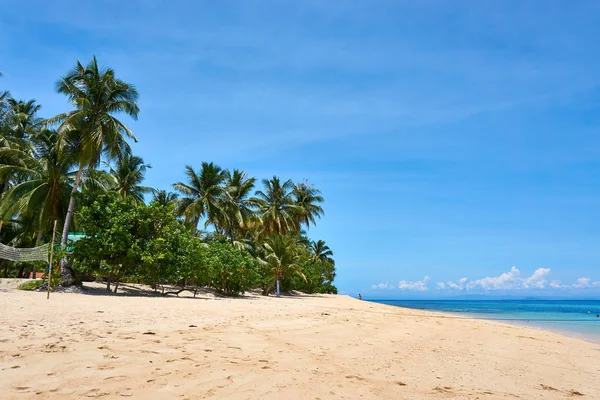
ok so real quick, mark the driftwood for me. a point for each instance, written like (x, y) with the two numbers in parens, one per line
(193, 290)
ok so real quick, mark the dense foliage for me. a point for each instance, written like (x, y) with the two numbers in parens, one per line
(217, 229)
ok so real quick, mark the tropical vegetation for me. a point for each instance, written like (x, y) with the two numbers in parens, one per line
(218, 228)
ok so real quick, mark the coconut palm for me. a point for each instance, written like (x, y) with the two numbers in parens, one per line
(4, 96)
(239, 213)
(21, 119)
(320, 252)
(276, 207)
(128, 176)
(18, 124)
(203, 195)
(42, 195)
(163, 197)
(281, 255)
(91, 129)
(307, 199)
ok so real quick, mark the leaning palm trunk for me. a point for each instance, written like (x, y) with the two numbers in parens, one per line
(67, 273)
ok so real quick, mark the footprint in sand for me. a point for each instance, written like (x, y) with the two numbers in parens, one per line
(116, 378)
(355, 377)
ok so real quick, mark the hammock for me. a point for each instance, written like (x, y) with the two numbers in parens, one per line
(24, 255)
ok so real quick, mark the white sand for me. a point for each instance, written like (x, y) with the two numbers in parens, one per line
(328, 347)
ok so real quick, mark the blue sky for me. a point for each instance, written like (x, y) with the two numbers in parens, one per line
(451, 140)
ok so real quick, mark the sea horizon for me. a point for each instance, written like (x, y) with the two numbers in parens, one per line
(570, 317)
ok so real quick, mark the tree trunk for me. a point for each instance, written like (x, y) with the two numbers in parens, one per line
(67, 273)
(108, 283)
(269, 288)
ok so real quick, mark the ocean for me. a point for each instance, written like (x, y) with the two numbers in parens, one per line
(576, 318)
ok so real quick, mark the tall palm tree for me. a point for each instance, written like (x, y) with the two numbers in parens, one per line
(239, 213)
(276, 207)
(307, 199)
(128, 176)
(282, 255)
(91, 129)
(203, 195)
(163, 197)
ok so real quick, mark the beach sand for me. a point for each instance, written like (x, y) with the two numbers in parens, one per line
(78, 346)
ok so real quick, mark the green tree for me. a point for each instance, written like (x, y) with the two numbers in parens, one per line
(22, 121)
(281, 258)
(203, 195)
(44, 190)
(238, 207)
(164, 198)
(91, 129)
(232, 271)
(276, 207)
(128, 176)
(110, 247)
(320, 252)
(164, 245)
(307, 199)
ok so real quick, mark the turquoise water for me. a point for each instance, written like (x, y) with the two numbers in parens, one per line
(569, 317)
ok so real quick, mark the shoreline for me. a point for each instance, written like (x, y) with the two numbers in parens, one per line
(306, 346)
(526, 323)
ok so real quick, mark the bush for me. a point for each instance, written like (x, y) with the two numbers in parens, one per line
(233, 271)
(31, 285)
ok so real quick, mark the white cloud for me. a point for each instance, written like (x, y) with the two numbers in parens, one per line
(537, 280)
(582, 283)
(510, 280)
(506, 281)
(555, 284)
(417, 285)
(460, 285)
(386, 285)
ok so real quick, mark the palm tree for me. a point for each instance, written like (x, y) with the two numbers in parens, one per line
(320, 252)
(128, 176)
(22, 121)
(4, 96)
(276, 207)
(239, 213)
(91, 130)
(18, 124)
(307, 199)
(203, 195)
(282, 256)
(163, 197)
(42, 196)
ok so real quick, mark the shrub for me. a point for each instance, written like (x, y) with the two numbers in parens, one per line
(31, 285)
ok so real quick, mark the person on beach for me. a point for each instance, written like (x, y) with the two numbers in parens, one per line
(359, 297)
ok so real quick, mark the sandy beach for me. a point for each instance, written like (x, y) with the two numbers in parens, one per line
(78, 346)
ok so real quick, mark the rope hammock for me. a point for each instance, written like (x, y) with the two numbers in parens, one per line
(24, 255)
